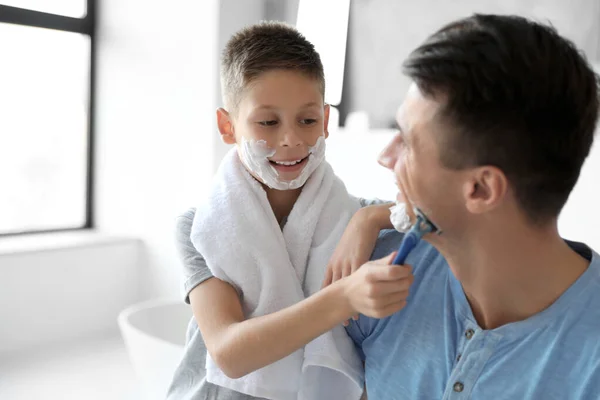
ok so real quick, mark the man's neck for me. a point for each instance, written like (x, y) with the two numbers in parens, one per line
(509, 276)
(282, 201)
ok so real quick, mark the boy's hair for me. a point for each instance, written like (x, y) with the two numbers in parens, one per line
(264, 47)
(518, 96)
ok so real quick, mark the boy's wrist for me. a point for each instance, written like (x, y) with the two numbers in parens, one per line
(338, 292)
(376, 216)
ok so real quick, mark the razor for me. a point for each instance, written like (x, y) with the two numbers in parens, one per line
(421, 227)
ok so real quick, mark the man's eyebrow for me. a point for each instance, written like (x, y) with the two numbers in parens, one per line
(401, 131)
(409, 140)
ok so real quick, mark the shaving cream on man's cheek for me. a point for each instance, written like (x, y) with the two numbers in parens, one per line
(399, 217)
(255, 156)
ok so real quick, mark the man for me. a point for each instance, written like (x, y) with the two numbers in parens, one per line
(492, 136)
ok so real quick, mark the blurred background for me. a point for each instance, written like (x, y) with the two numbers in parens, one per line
(107, 133)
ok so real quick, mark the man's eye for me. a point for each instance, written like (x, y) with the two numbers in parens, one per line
(267, 123)
(308, 121)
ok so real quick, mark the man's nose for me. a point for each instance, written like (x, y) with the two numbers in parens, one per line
(387, 157)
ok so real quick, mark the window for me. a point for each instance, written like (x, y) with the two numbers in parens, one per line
(325, 25)
(46, 110)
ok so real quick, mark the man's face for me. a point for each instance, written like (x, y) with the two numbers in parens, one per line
(414, 157)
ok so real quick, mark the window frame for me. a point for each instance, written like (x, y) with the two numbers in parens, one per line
(86, 26)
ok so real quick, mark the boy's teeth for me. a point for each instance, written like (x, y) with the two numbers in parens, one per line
(287, 162)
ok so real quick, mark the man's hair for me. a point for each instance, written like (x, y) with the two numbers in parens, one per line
(516, 95)
(264, 47)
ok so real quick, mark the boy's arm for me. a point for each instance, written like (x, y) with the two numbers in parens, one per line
(358, 241)
(194, 268)
(240, 346)
(379, 215)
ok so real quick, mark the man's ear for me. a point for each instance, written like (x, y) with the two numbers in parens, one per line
(225, 126)
(485, 190)
(326, 120)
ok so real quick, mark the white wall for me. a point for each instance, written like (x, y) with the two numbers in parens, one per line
(63, 292)
(154, 123)
(580, 218)
(382, 34)
(353, 156)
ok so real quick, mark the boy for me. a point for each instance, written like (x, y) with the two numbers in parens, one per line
(276, 200)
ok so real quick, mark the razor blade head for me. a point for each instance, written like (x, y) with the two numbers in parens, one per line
(425, 223)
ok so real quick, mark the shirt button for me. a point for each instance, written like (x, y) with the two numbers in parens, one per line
(458, 357)
(469, 333)
(458, 387)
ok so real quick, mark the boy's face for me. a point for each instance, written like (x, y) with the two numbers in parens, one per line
(285, 109)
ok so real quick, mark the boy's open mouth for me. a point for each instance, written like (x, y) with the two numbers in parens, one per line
(289, 165)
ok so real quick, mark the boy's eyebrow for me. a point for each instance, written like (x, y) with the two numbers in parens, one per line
(271, 107)
(266, 107)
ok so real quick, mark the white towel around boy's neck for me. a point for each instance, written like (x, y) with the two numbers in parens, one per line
(238, 235)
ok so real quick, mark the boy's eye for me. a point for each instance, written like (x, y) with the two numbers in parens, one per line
(267, 123)
(308, 121)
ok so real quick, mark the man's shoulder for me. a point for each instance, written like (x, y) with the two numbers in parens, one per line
(388, 241)
(587, 303)
(426, 264)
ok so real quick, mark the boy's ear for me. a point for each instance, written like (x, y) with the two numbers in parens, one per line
(326, 120)
(225, 126)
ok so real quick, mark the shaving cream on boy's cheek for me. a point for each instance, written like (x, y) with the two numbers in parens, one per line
(255, 154)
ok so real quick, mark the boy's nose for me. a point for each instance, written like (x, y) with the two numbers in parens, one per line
(290, 138)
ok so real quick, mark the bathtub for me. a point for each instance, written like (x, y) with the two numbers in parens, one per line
(154, 334)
